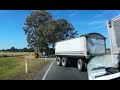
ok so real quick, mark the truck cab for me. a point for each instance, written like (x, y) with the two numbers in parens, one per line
(107, 67)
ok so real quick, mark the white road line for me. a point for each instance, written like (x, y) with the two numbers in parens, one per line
(47, 71)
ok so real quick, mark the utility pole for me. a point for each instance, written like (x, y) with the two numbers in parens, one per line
(36, 47)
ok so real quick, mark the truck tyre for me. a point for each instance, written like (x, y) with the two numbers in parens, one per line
(79, 64)
(84, 66)
(64, 62)
(58, 60)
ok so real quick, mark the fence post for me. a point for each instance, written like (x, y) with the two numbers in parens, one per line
(26, 67)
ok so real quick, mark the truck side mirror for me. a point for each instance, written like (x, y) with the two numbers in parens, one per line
(109, 24)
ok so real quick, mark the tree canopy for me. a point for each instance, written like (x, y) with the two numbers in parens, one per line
(43, 31)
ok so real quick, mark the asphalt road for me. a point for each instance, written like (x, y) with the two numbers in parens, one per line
(54, 72)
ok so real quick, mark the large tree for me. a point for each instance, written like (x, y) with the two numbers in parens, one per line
(43, 31)
(35, 20)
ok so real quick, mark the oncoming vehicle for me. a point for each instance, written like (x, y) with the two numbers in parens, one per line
(79, 50)
(107, 67)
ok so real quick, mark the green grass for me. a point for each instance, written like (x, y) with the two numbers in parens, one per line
(13, 68)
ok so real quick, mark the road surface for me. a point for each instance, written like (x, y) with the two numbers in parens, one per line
(54, 72)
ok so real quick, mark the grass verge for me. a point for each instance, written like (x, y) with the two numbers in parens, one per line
(13, 68)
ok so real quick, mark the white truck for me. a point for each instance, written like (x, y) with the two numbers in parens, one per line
(89, 51)
(107, 67)
(80, 50)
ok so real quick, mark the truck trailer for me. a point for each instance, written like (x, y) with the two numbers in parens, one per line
(79, 50)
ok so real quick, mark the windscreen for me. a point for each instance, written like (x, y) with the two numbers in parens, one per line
(116, 26)
(114, 33)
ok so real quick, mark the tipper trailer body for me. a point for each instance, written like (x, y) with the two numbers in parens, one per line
(80, 49)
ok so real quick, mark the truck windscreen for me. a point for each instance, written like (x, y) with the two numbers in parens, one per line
(116, 26)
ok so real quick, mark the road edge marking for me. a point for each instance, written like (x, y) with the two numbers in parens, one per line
(47, 71)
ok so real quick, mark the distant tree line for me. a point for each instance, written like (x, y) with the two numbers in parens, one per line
(13, 49)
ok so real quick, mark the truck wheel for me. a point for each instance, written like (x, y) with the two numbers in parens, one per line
(58, 60)
(84, 66)
(79, 64)
(64, 62)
